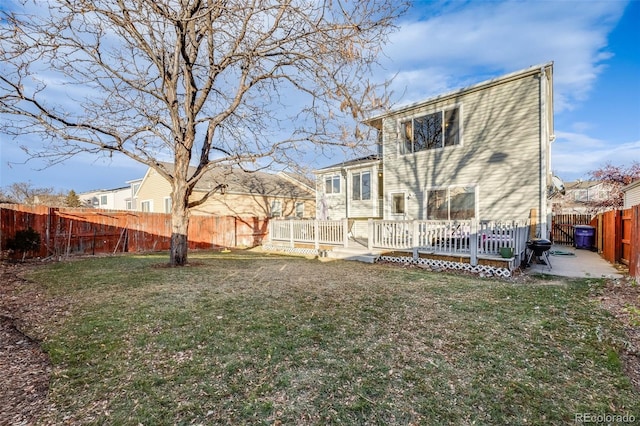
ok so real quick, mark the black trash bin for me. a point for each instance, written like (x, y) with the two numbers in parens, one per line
(584, 236)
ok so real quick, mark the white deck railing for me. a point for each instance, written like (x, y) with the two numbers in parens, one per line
(468, 237)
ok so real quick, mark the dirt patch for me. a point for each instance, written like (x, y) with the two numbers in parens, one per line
(26, 369)
(621, 297)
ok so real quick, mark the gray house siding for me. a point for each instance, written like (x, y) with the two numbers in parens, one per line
(499, 153)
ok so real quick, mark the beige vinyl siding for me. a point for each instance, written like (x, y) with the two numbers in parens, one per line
(499, 152)
(245, 205)
(154, 188)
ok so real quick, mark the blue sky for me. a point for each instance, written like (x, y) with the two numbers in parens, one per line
(442, 46)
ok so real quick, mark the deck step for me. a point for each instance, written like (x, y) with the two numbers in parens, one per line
(353, 254)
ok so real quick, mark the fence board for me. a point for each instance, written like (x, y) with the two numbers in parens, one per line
(88, 231)
(562, 227)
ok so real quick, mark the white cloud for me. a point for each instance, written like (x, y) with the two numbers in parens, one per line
(575, 154)
(465, 45)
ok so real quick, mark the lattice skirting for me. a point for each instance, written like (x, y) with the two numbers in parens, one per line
(292, 250)
(446, 264)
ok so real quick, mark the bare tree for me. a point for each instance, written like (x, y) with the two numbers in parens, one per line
(615, 177)
(26, 193)
(201, 82)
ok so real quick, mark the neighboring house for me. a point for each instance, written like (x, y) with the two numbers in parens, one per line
(245, 194)
(580, 196)
(109, 199)
(631, 194)
(480, 152)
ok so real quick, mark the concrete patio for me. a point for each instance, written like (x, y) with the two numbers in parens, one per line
(566, 261)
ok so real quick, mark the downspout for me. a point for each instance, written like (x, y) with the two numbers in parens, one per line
(544, 138)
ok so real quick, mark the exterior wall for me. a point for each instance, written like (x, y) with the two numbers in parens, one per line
(156, 189)
(337, 206)
(116, 199)
(499, 153)
(632, 195)
(243, 205)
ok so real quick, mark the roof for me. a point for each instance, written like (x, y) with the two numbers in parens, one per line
(375, 120)
(632, 185)
(582, 184)
(350, 163)
(239, 181)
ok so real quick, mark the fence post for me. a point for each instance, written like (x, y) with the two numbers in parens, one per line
(291, 244)
(473, 242)
(370, 234)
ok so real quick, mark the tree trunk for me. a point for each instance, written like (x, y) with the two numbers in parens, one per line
(179, 227)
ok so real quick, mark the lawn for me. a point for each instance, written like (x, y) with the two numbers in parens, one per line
(249, 338)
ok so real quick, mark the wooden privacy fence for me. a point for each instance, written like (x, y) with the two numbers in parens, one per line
(562, 227)
(65, 231)
(618, 238)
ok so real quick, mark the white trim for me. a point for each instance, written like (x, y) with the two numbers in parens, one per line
(150, 206)
(425, 112)
(476, 196)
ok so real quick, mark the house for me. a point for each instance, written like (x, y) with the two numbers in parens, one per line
(631, 194)
(242, 194)
(581, 196)
(481, 152)
(121, 198)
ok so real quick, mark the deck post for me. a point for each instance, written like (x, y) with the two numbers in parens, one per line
(473, 242)
(316, 234)
(370, 232)
(345, 231)
(291, 243)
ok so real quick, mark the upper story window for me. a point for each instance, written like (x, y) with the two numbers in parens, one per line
(437, 130)
(103, 200)
(332, 185)
(361, 186)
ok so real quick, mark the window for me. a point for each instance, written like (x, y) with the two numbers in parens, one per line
(129, 204)
(103, 200)
(145, 206)
(397, 203)
(432, 131)
(300, 210)
(332, 185)
(361, 186)
(276, 208)
(134, 189)
(451, 203)
(167, 205)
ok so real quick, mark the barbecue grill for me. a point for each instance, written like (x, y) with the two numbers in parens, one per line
(539, 247)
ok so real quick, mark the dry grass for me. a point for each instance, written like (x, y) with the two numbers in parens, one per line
(257, 339)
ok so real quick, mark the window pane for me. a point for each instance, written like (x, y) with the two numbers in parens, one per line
(300, 210)
(437, 206)
(397, 206)
(328, 185)
(427, 132)
(407, 130)
(355, 186)
(336, 184)
(462, 202)
(451, 127)
(366, 186)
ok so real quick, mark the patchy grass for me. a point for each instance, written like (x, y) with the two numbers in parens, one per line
(258, 339)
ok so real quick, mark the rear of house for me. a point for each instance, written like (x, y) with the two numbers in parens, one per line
(482, 152)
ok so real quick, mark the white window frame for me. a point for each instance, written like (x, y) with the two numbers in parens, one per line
(276, 208)
(392, 197)
(299, 209)
(400, 129)
(358, 176)
(333, 179)
(104, 200)
(147, 202)
(448, 189)
(167, 204)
